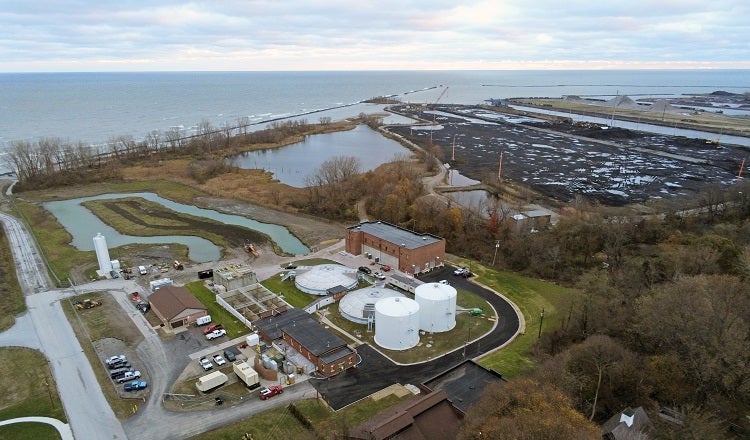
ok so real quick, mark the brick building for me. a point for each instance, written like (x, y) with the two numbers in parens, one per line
(409, 251)
(304, 334)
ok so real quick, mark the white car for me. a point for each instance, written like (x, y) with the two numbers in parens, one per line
(205, 363)
(460, 271)
(219, 360)
(216, 334)
(379, 275)
(116, 359)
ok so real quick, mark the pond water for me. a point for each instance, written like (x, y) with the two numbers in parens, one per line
(476, 199)
(83, 225)
(293, 164)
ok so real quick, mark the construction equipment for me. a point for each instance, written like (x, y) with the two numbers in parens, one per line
(250, 248)
(432, 106)
(87, 304)
(177, 265)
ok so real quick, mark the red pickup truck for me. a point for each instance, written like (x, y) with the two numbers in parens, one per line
(270, 391)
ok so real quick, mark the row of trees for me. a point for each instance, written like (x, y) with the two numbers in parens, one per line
(51, 162)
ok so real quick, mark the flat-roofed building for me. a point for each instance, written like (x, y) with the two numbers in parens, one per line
(411, 252)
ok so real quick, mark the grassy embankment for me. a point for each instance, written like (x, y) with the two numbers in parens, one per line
(28, 389)
(12, 301)
(706, 121)
(280, 424)
(530, 295)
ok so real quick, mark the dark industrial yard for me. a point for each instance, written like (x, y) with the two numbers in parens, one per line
(562, 160)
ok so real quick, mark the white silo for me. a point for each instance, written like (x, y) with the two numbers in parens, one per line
(396, 323)
(437, 307)
(102, 253)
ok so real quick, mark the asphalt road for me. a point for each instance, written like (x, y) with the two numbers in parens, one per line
(376, 372)
(46, 328)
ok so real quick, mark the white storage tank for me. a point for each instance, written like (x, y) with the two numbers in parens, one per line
(437, 307)
(396, 323)
(102, 253)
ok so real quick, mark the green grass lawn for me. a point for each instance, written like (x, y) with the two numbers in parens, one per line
(219, 314)
(291, 294)
(530, 295)
(28, 389)
(12, 301)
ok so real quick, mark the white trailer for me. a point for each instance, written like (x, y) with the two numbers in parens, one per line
(210, 381)
(247, 374)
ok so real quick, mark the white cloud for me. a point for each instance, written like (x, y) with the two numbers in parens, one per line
(345, 35)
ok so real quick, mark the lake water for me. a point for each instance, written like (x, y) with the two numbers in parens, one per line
(83, 225)
(294, 163)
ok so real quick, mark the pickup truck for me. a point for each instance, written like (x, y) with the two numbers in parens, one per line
(129, 375)
(135, 385)
(270, 391)
(216, 334)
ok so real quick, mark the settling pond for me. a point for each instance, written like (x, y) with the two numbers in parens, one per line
(293, 164)
(83, 225)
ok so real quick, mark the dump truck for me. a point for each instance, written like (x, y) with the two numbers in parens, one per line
(211, 381)
(247, 374)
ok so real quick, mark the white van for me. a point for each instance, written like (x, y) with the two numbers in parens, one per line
(142, 270)
(203, 320)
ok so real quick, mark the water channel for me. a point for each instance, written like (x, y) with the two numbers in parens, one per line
(83, 225)
(293, 164)
(640, 126)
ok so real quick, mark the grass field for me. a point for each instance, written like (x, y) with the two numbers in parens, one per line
(12, 301)
(207, 297)
(291, 294)
(28, 389)
(531, 296)
(281, 424)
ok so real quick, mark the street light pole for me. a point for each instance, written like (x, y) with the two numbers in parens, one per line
(541, 319)
(497, 246)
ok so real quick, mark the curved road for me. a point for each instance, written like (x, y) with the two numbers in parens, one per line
(377, 372)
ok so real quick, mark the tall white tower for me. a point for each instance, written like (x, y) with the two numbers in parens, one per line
(102, 253)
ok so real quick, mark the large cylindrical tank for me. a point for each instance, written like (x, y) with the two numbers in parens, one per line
(396, 323)
(437, 307)
(102, 253)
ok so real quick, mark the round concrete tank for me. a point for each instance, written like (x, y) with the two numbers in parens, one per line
(437, 307)
(102, 253)
(396, 323)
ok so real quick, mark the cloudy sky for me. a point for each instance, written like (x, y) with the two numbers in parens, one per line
(126, 35)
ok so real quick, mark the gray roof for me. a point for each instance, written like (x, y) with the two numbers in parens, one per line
(464, 383)
(314, 337)
(272, 325)
(396, 235)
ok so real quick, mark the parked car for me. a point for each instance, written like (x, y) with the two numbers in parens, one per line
(115, 358)
(211, 328)
(386, 268)
(379, 275)
(114, 374)
(460, 271)
(130, 375)
(135, 385)
(365, 269)
(219, 360)
(291, 266)
(230, 356)
(205, 363)
(270, 391)
(216, 334)
(118, 365)
(143, 307)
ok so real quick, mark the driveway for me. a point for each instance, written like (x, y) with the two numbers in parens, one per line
(377, 372)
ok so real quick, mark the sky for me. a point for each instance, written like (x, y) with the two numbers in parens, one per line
(273, 35)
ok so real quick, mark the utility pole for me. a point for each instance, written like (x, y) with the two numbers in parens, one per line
(541, 319)
(497, 246)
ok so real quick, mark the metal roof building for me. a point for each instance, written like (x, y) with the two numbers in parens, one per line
(391, 245)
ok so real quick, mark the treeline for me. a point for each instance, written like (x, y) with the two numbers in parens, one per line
(51, 162)
(663, 319)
